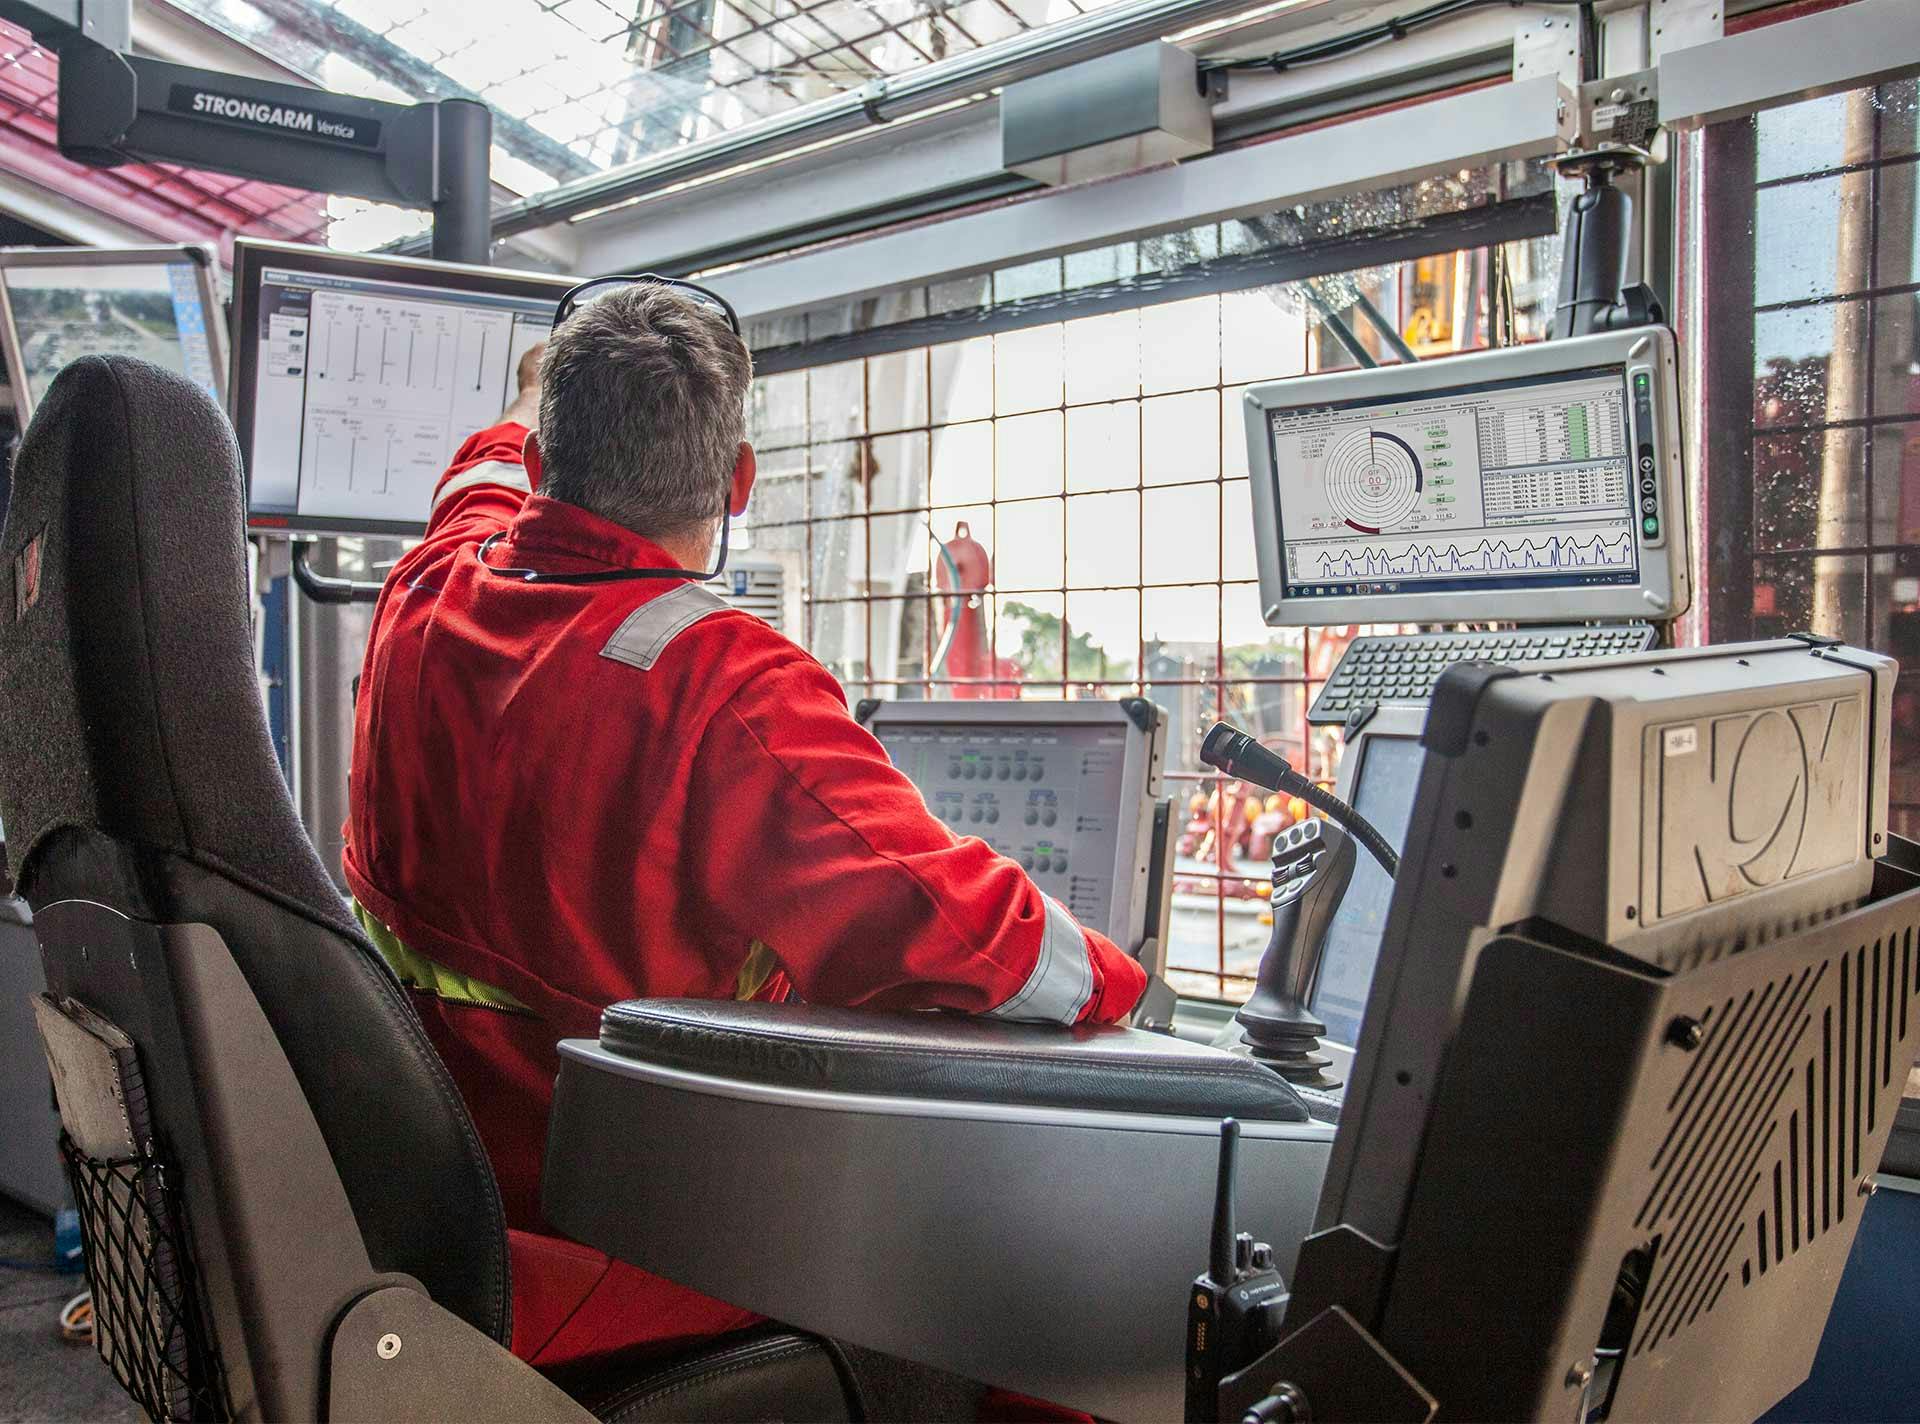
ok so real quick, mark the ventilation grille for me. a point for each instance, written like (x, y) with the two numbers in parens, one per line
(1763, 1150)
(759, 589)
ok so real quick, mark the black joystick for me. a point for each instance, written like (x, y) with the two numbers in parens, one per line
(1312, 865)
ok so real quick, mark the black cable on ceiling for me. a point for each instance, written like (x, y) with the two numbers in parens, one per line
(1384, 32)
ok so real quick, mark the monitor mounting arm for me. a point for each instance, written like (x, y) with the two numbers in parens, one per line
(1594, 257)
(115, 106)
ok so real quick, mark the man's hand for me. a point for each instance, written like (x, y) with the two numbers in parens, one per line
(525, 406)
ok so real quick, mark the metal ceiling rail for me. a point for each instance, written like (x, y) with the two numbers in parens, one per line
(1035, 52)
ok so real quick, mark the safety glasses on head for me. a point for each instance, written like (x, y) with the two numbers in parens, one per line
(592, 290)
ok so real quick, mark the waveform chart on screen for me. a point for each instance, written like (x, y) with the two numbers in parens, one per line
(1445, 558)
(1373, 479)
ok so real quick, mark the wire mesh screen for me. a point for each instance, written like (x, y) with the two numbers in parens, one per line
(1063, 510)
(151, 1325)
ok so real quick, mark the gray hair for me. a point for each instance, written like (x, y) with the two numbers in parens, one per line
(642, 410)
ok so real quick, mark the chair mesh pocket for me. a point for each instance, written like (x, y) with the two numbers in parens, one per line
(150, 1322)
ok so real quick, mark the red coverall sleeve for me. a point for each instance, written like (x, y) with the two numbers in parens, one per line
(485, 485)
(817, 846)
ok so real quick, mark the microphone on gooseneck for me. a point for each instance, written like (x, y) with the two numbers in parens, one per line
(1238, 754)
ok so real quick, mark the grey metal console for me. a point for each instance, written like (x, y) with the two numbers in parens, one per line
(1017, 1204)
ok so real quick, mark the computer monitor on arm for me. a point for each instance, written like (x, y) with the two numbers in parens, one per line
(355, 378)
(1535, 484)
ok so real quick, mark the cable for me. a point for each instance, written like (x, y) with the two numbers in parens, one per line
(76, 1319)
(1387, 30)
(1363, 831)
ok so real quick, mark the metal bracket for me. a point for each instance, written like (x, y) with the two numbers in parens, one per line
(1335, 1369)
(1623, 109)
(325, 588)
(1549, 44)
(397, 1355)
(1681, 24)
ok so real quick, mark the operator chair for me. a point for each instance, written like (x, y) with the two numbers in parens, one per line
(316, 1231)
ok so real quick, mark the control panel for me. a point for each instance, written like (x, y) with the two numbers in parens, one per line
(1645, 466)
(1062, 789)
(1047, 797)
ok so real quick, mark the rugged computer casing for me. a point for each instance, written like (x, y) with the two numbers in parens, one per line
(1676, 806)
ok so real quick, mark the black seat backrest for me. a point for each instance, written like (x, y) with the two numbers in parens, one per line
(136, 770)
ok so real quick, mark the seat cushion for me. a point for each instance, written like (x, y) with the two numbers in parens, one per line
(771, 1374)
(950, 1057)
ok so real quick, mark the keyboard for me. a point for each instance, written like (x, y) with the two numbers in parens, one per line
(1402, 668)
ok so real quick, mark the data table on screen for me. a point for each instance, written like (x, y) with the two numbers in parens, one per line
(1504, 486)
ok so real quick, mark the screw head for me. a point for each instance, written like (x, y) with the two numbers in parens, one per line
(1687, 1033)
(1580, 1375)
(388, 1346)
(1868, 1186)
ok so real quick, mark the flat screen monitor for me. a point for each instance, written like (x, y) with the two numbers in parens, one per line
(1534, 484)
(1378, 778)
(356, 378)
(1065, 789)
(161, 304)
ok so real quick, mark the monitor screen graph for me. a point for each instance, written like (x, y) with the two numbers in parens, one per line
(363, 386)
(1508, 485)
(154, 308)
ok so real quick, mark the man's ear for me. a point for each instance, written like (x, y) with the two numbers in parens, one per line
(530, 453)
(744, 469)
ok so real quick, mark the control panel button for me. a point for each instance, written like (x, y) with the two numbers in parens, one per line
(1047, 818)
(1647, 506)
(1650, 527)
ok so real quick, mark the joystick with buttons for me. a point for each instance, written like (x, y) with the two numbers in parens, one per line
(1312, 866)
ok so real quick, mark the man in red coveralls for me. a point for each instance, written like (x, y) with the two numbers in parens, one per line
(567, 793)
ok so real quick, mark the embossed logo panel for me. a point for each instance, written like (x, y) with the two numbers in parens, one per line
(1753, 799)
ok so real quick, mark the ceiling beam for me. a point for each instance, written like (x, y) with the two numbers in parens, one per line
(1509, 121)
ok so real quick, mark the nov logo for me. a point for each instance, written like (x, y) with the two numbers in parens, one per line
(1754, 799)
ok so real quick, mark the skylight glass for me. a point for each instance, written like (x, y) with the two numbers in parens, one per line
(582, 86)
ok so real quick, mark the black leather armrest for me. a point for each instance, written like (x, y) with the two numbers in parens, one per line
(948, 1056)
(770, 1373)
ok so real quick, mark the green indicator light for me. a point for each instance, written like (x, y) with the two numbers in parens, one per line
(1651, 525)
